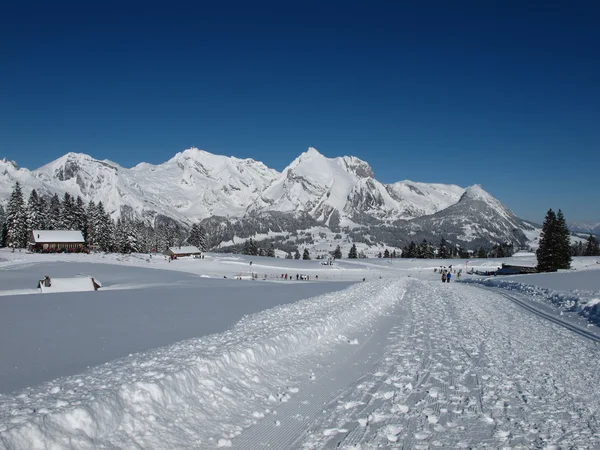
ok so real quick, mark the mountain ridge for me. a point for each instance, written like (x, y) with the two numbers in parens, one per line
(196, 185)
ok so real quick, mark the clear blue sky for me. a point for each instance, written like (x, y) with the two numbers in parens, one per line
(504, 94)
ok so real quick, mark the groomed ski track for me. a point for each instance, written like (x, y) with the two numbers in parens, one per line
(460, 367)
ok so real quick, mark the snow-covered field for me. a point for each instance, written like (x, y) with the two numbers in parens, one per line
(196, 354)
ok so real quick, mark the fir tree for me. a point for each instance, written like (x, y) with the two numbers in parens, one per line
(53, 215)
(563, 253)
(305, 255)
(16, 219)
(271, 251)
(35, 213)
(288, 255)
(386, 253)
(482, 253)
(4, 236)
(79, 216)
(193, 237)
(67, 213)
(592, 248)
(337, 253)
(443, 250)
(546, 253)
(353, 253)
(297, 254)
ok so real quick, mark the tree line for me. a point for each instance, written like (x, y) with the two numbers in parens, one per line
(100, 231)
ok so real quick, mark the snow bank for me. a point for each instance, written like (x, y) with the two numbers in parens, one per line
(584, 302)
(200, 391)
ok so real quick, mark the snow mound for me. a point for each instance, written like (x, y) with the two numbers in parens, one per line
(203, 387)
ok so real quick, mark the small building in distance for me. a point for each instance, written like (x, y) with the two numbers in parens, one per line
(179, 252)
(57, 241)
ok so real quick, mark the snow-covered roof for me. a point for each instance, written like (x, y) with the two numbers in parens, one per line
(57, 236)
(185, 249)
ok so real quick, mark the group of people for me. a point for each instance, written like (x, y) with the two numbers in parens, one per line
(447, 273)
(285, 276)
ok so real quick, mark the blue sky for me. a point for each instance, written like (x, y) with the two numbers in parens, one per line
(506, 94)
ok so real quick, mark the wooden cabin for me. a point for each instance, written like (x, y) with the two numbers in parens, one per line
(50, 241)
(179, 252)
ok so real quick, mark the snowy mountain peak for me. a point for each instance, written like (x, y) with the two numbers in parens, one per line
(476, 192)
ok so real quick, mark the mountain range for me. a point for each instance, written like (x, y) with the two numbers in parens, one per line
(235, 196)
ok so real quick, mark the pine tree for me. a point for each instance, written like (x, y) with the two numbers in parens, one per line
(386, 253)
(297, 254)
(353, 253)
(53, 215)
(443, 250)
(193, 238)
(482, 253)
(67, 213)
(16, 219)
(90, 232)
(4, 236)
(271, 251)
(546, 253)
(35, 213)
(305, 255)
(337, 253)
(79, 216)
(592, 248)
(563, 254)
(288, 255)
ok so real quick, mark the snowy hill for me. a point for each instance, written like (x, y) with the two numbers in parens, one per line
(232, 193)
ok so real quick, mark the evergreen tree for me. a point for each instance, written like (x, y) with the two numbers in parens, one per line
(386, 253)
(592, 248)
(380, 255)
(35, 213)
(53, 215)
(546, 253)
(443, 250)
(394, 255)
(16, 219)
(353, 253)
(67, 213)
(271, 251)
(305, 255)
(563, 253)
(91, 218)
(79, 216)
(288, 255)
(193, 238)
(482, 253)
(4, 236)
(297, 254)
(337, 253)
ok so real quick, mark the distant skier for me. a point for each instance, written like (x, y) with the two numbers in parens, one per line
(448, 277)
(443, 277)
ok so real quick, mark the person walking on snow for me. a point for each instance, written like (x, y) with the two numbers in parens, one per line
(448, 277)
(443, 277)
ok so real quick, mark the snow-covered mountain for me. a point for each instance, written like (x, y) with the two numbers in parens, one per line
(476, 218)
(320, 186)
(192, 185)
(588, 227)
(336, 192)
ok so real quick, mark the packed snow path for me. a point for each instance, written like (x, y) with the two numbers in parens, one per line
(403, 364)
(463, 368)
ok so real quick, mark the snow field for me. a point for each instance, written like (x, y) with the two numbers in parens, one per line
(203, 391)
